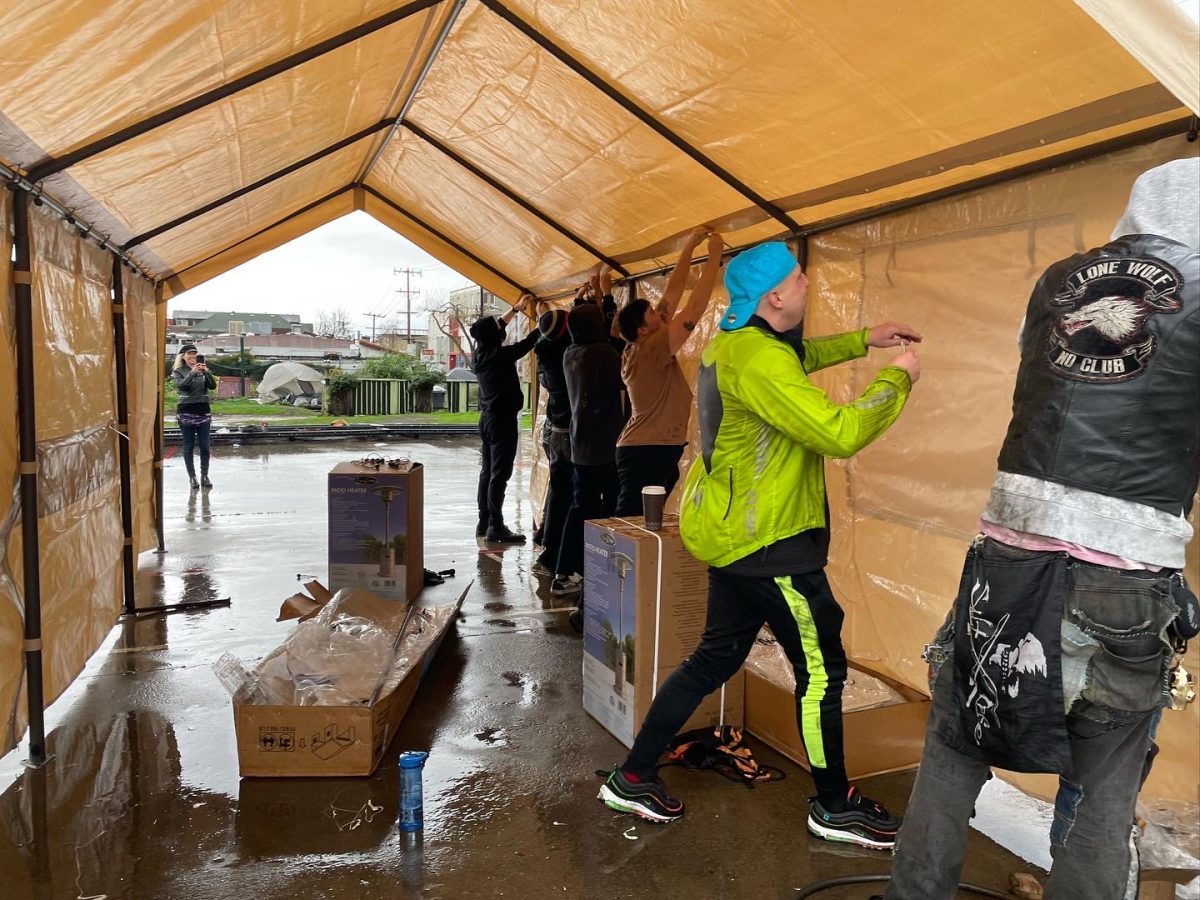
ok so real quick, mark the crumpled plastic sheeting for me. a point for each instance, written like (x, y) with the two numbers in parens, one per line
(338, 658)
(862, 691)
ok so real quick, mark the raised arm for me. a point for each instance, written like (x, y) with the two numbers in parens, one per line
(678, 280)
(684, 322)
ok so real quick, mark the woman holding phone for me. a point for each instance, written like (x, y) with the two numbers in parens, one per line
(194, 415)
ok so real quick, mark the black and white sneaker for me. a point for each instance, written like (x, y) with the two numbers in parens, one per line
(648, 799)
(566, 585)
(859, 820)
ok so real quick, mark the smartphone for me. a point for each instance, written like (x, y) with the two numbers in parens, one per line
(199, 357)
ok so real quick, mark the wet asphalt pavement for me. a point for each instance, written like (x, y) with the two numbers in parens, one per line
(143, 799)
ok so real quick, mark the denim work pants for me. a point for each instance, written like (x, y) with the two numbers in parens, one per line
(1115, 658)
(195, 436)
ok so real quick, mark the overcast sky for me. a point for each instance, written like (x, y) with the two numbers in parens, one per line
(346, 263)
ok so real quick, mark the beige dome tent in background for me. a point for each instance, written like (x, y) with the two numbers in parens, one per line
(928, 159)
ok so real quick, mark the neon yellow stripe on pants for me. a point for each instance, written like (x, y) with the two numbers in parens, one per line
(818, 678)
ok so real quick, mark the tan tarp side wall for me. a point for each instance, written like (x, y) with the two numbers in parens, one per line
(142, 354)
(12, 627)
(905, 509)
(79, 497)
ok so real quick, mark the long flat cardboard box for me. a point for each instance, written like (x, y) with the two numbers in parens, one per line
(883, 723)
(286, 741)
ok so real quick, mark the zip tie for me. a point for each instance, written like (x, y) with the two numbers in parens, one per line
(29, 468)
(33, 646)
(121, 430)
(22, 276)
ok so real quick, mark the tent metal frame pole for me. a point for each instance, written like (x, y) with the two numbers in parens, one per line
(27, 419)
(444, 239)
(416, 86)
(262, 182)
(1081, 154)
(640, 114)
(95, 147)
(160, 340)
(19, 182)
(492, 182)
(128, 567)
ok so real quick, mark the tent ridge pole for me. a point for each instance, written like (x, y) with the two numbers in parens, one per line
(416, 86)
(262, 182)
(640, 114)
(444, 238)
(100, 145)
(118, 325)
(27, 440)
(492, 182)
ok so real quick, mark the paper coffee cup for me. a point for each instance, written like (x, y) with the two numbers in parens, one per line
(654, 497)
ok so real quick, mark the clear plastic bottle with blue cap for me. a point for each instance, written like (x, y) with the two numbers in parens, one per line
(412, 801)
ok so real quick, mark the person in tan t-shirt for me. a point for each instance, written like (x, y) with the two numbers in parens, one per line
(649, 448)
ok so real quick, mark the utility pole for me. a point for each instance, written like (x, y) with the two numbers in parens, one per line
(408, 292)
(373, 317)
(242, 362)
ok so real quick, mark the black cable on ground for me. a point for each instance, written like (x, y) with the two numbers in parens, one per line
(819, 886)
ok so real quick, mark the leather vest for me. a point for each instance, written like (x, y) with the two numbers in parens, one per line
(1108, 391)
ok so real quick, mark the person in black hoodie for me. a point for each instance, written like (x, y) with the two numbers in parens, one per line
(593, 375)
(556, 436)
(500, 402)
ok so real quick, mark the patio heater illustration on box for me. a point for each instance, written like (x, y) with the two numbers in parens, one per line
(386, 578)
(624, 567)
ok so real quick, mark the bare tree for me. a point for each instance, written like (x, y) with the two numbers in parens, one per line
(335, 323)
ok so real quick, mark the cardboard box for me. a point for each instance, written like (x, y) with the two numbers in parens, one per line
(376, 533)
(625, 576)
(883, 722)
(283, 741)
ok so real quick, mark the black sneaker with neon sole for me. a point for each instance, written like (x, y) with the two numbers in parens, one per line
(860, 821)
(648, 799)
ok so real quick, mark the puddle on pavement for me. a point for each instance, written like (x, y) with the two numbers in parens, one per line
(493, 736)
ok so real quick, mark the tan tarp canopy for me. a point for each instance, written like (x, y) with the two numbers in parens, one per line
(524, 142)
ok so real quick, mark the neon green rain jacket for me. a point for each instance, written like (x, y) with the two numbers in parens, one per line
(764, 431)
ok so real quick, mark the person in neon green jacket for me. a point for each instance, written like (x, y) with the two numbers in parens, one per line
(754, 508)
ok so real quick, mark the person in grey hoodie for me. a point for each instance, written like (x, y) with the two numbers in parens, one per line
(1056, 656)
(194, 415)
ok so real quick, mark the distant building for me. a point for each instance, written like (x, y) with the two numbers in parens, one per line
(344, 354)
(198, 323)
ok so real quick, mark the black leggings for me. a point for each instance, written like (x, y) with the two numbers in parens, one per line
(807, 622)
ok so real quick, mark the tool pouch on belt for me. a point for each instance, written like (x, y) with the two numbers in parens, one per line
(1008, 700)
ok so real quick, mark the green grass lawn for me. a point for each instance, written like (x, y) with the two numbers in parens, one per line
(249, 410)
